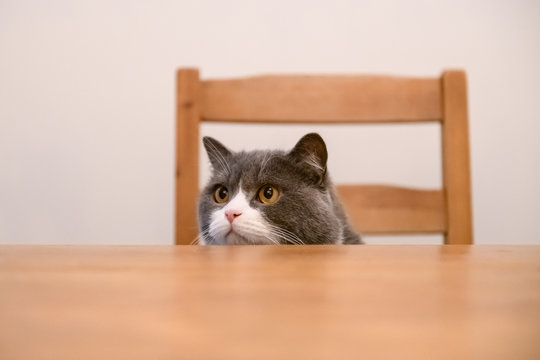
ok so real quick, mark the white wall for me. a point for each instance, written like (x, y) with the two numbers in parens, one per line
(87, 103)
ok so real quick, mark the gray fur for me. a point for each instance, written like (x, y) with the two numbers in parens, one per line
(307, 211)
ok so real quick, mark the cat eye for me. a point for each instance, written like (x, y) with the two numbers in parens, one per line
(268, 194)
(221, 194)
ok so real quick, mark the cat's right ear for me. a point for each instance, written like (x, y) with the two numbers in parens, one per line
(311, 150)
(217, 153)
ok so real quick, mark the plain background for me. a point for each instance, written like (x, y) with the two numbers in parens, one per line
(87, 104)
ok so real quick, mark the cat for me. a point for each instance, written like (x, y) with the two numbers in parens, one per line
(272, 197)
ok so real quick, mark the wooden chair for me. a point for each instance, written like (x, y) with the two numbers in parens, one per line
(374, 209)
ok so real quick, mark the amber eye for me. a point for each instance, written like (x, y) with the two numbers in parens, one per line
(268, 194)
(221, 194)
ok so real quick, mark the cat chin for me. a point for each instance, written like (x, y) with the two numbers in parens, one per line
(237, 239)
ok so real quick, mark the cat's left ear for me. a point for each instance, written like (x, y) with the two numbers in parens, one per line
(217, 153)
(311, 149)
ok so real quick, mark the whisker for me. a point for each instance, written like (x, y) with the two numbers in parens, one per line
(287, 235)
(259, 229)
(267, 157)
(270, 232)
(276, 232)
(199, 237)
(220, 158)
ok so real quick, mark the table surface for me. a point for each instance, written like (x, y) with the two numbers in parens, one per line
(269, 302)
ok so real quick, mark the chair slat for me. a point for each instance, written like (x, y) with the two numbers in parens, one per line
(456, 164)
(382, 209)
(322, 99)
(328, 99)
(187, 154)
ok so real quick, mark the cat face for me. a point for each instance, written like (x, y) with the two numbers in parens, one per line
(268, 197)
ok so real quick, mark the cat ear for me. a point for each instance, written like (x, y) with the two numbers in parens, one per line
(217, 153)
(311, 149)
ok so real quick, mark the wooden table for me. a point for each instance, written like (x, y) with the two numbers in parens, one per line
(270, 302)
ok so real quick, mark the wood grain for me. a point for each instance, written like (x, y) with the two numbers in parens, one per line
(321, 99)
(379, 209)
(270, 302)
(456, 163)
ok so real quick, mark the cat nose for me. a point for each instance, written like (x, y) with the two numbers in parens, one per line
(231, 214)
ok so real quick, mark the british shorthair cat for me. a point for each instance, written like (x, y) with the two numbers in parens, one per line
(272, 197)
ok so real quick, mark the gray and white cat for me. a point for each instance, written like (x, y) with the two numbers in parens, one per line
(272, 197)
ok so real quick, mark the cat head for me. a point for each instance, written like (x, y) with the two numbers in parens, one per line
(268, 197)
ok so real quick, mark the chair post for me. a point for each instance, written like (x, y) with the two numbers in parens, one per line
(187, 154)
(455, 158)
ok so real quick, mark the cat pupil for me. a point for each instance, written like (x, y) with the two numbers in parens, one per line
(222, 193)
(268, 192)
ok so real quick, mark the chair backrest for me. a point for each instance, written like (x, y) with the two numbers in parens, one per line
(373, 209)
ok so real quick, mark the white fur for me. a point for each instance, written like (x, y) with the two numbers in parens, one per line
(248, 228)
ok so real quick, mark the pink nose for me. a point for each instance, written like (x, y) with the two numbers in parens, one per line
(232, 214)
